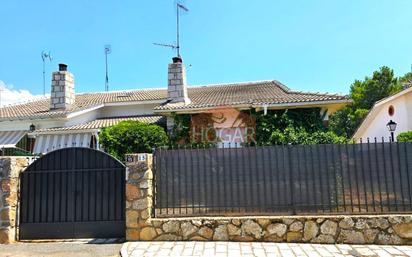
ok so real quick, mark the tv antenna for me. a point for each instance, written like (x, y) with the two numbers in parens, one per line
(45, 56)
(107, 50)
(177, 45)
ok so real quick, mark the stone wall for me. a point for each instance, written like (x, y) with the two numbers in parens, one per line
(10, 168)
(378, 229)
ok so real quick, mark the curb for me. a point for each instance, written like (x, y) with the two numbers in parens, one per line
(123, 250)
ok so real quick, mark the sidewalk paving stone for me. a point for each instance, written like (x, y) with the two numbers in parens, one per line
(259, 249)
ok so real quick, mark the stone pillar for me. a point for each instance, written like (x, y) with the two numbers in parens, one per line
(139, 197)
(170, 123)
(62, 91)
(10, 168)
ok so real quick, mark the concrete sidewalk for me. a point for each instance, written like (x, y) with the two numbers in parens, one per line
(237, 249)
(74, 248)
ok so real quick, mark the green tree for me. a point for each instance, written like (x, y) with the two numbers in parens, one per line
(406, 80)
(132, 137)
(364, 94)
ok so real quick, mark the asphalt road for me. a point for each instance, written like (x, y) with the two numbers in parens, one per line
(62, 249)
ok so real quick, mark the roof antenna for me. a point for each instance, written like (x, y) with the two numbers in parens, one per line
(107, 50)
(177, 45)
(45, 56)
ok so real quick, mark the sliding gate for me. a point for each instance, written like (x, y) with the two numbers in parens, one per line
(73, 193)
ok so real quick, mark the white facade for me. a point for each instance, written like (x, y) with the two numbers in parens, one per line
(374, 124)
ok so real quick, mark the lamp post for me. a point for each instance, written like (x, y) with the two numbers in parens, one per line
(32, 128)
(391, 127)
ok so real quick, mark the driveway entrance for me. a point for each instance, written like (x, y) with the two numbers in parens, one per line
(73, 193)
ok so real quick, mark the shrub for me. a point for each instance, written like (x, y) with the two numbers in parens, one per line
(132, 137)
(294, 126)
(404, 137)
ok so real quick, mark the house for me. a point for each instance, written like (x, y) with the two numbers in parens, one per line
(396, 108)
(67, 119)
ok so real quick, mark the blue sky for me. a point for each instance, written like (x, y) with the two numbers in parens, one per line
(316, 45)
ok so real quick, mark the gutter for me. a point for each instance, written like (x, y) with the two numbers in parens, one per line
(65, 131)
(302, 104)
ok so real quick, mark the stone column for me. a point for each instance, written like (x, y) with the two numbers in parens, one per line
(139, 197)
(10, 168)
(62, 91)
(176, 82)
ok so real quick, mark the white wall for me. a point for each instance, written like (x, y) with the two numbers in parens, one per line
(127, 110)
(104, 112)
(25, 124)
(402, 116)
(83, 118)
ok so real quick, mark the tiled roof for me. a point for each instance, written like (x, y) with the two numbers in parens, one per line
(108, 122)
(249, 93)
(262, 92)
(41, 108)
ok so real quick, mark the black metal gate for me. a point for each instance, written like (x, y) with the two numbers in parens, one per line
(73, 193)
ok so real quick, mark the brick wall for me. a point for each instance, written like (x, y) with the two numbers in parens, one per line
(378, 229)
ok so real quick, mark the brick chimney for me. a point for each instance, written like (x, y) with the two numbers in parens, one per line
(62, 90)
(177, 84)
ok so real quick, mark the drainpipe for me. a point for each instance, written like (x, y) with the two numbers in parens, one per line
(265, 109)
(96, 135)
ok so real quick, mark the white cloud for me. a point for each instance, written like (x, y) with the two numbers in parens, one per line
(8, 95)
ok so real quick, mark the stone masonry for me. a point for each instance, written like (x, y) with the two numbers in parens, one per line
(10, 168)
(176, 82)
(62, 90)
(377, 229)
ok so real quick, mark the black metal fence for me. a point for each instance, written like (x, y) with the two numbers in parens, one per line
(300, 179)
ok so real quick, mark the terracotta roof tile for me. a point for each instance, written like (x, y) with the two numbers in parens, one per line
(41, 108)
(262, 92)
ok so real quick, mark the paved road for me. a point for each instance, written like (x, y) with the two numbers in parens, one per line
(78, 248)
(228, 249)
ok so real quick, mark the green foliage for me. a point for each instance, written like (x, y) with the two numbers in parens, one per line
(132, 137)
(180, 134)
(345, 121)
(404, 137)
(364, 94)
(382, 84)
(294, 126)
(406, 80)
(181, 129)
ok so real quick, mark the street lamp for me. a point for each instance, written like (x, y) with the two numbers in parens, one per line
(391, 127)
(32, 127)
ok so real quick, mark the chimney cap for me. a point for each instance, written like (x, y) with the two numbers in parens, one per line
(62, 67)
(177, 59)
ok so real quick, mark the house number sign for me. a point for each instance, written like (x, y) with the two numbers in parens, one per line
(141, 157)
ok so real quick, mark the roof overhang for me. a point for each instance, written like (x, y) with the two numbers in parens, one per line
(259, 106)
